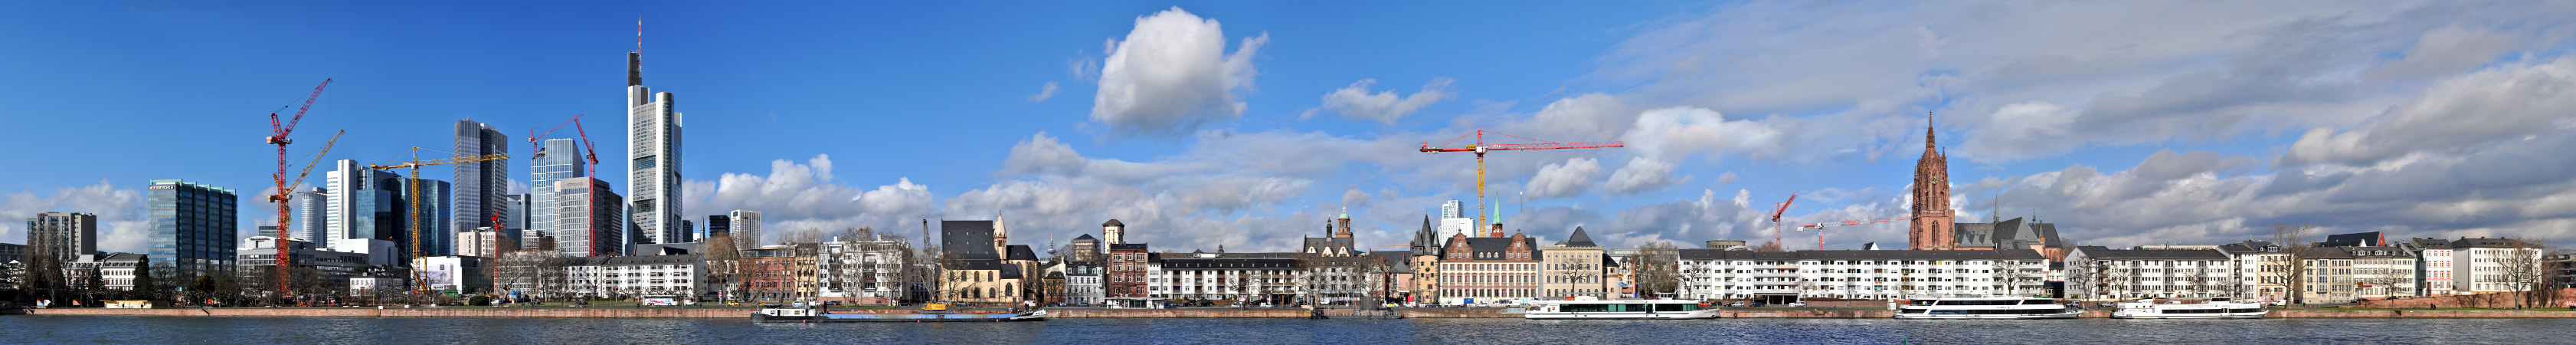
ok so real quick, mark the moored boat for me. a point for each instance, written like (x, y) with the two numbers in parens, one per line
(1984, 308)
(2211, 308)
(1595, 308)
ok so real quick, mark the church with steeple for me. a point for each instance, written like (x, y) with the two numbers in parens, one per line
(1936, 225)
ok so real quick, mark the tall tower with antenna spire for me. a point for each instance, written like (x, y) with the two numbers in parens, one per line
(653, 154)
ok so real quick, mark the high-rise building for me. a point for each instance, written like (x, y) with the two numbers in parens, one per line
(745, 229)
(719, 225)
(62, 235)
(436, 238)
(309, 219)
(559, 159)
(653, 152)
(517, 216)
(193, 228)
(689, 230)
(589, 218)
(1932, 228)
(482, 188)
(361, 203)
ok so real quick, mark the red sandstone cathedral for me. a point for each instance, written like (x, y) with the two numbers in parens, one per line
(1936, 227)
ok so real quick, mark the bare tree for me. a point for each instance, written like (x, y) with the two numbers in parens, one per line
(1658, 268)
(1770, 246)
(724, 269)
(2293, 239)
(2528, 272)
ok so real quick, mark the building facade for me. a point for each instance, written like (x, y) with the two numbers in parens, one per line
(2433, 266)
(62, 236)
(310, 219)
(558, 160)
(1127, 274)
(1932, 227)
(2099, 273)
(648, 276)
(192, 228)
(745, 227)
(259, 255)
(482, 188)
(1780, 277)
(861, 271)
(1574, 268)
(483, 242)
(2493, 265)
(589, 218)
(1082, 283)
(1483, 270)
(653, 153)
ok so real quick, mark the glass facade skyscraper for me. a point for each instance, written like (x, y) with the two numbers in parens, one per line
(590, 218)
(653, 155)
(482, 188)
(557, 160)
(192, 228)
(62, 235)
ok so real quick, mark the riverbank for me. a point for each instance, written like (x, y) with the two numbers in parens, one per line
(729, 313)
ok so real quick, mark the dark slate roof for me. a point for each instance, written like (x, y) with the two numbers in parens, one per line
(2363, 239)
(2014, 232)
(1426, 241)
(1607, 261)
(1720, 254)
(2430, 243)
(2379, 252)
(1226, 263)
(1397, 263)
(1084, 237)
(2322, 253)
(1112, 222)
(2486, 243)
(2099, 252)
(968, 239)
(1496, 246)
(1022, 252)
(1011, 272)
(1127, 246)
(1578, 239)
(1345, 243)
(978, 264)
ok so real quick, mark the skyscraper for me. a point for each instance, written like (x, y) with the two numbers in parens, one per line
(62, 235)
(192, 228)
(589, 218)
(360, 203)
(482, 188)
(558, 160)
(719, 225)
(745, 229)
(436, 238)
(309, 221)
(653, 151)
(1932, 227)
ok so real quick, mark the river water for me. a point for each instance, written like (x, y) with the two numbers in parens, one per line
(62, 329)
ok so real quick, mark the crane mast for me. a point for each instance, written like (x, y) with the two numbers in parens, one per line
(413, 183)
(277, 136)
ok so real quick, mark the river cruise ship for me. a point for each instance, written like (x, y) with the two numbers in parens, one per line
(1984, 308)
(2212, 308)
(1595, 308)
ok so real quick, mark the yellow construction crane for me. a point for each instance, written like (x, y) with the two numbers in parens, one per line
(412, 183)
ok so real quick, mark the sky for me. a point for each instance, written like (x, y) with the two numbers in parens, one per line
(1247, 125)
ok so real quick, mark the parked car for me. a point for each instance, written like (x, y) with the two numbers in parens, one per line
(1797, 304)
(1735, 304)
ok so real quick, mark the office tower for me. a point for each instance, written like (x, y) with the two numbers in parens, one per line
(558, 159)
(482, 188)
(517, 216)
(719, 225)
(688, 230)
(653, 152)
(269, 231)
(192, 228)
(589, 219)
(361, 203)
(1453, 220)
(1453, 209)
(62, 235)
(308, 220)
(436, 238)
(745, 229)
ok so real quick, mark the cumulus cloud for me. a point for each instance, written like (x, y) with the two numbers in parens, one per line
(2008, 130)
(1645, 175)
(120, 211)
(1044, 93)
(797, 196)
(1678, 132)
(1385, 106)
(2509, 101)
(1564, 179)
(1172, 75)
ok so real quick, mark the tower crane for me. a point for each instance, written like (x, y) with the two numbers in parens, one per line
(589, 151)
(1775, 220)
(1480, 147)
(277, 136)
(412, 182)
(1820, 227)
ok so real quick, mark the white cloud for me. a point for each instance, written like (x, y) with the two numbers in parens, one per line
(2006, 132)
(1385, 106)
(1645, 175)
(800, 196)
(1044, 93)
(2509, 101)
(1172, 75)
(1564, 179)
(120, 211)
(1678, 132)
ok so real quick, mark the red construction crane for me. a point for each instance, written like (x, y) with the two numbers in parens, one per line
(1775, 220)
(277, 137)
(1480, 147)
(590, 151)
(1820, 232)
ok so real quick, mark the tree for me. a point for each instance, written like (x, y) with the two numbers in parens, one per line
(2528, 270)
(1658, 268)
(13, 275)
(723, 267)
(1770, 246)
(2293, 239)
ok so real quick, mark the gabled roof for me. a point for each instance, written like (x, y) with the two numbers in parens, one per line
(2098, 252)
(1496, 246)
(1084, 237)
(968, 239)
(1127, 246)
(1578, 239)
(2367, 239)
(1022, 252)
(1112, 222)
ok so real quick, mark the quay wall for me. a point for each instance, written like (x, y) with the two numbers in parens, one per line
(416, 312)
(1178, 313)
(727, 313)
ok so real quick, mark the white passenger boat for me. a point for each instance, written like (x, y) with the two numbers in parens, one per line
(1594, 308)
(1984, 308)
(2212, 308)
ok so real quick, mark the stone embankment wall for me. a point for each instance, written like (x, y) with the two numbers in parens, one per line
(417, 312)
(2565, 297)
(728, 313)
(1178, 313)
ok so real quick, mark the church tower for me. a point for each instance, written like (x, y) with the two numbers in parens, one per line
(1933, 226)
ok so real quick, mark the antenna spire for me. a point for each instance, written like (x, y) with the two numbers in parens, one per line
(639, 34)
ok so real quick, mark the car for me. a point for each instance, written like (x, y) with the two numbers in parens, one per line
(1797, 304)
(1735, 304)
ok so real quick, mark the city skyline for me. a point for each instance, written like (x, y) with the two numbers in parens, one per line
(1243, 124)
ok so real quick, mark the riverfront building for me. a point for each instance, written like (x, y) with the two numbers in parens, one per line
(1479, 270)
(2097, 272)
(192, 228)
(1781, 277)
(558, 160)
(1575, 268)
(588, 220)
(62, 236)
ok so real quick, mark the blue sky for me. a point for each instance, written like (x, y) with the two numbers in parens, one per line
(1245, 124)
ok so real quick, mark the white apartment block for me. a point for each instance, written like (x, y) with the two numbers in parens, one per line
(670, 276)
(1859, 274)
(2100, 273)
(2491, 265)
(865, 271)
